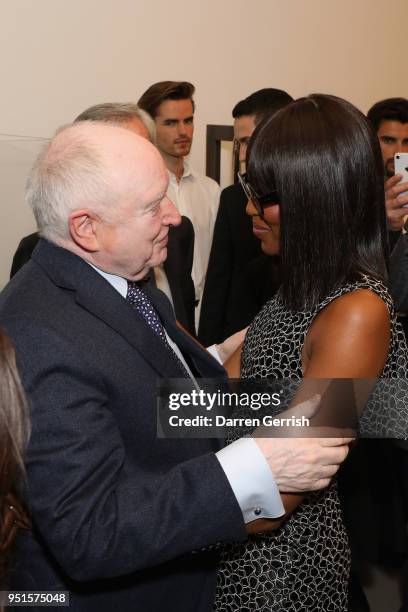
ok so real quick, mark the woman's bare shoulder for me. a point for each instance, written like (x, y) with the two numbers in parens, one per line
(362, 305)
(350, 337)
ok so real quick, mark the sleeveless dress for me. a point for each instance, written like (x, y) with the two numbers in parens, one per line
(304, 565)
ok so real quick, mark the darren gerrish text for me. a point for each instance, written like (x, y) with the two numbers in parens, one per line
(222, 421)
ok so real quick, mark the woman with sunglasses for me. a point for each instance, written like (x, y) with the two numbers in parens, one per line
(316, 196)
(14, 427)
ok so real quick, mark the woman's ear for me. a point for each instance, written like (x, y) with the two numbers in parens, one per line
(83, 228)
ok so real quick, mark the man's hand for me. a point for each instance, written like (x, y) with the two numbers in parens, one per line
(394, 202)
(230, 345)
(303, 464)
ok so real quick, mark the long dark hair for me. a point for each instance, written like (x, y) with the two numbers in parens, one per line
(14, 432)
(325, 161)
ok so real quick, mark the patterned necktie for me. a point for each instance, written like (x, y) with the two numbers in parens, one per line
(142, 304)
(139, 300)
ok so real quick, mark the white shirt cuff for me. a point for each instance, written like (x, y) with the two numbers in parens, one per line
(251, 479)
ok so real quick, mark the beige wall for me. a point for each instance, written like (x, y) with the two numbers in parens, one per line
(60, 56)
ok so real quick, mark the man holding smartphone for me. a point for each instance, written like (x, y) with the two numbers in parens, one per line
(390, 120)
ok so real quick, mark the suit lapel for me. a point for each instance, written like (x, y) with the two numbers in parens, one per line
(98, 297)
(126, 321)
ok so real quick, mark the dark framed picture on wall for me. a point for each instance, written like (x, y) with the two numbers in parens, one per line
(221, 154)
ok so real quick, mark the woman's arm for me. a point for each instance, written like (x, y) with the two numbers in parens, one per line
(290, 502)
(349, 339)
(233, 363)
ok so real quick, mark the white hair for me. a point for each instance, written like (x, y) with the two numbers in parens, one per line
(119, 113)
(68, 174)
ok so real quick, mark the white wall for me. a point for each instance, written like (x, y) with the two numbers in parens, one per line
(60, 56)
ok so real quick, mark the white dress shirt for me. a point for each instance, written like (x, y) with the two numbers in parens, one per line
(197, 197)
(244, 464)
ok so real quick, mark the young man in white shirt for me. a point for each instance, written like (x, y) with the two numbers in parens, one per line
(196, 196)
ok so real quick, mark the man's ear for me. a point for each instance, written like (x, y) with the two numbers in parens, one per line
(83, 227)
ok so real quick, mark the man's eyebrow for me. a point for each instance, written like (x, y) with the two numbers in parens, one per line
(156, 200)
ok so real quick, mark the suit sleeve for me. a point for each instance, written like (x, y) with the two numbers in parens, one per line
(100, 514)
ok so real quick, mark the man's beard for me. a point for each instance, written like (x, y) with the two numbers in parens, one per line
(389, 168)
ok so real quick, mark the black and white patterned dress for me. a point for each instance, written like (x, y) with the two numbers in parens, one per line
(304, 565)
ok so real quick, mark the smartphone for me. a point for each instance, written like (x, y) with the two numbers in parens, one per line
(401, 167)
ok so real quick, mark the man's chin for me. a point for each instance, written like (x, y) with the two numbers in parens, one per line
(159, 257)
(389, 169)
(140, 275)
(182, 150)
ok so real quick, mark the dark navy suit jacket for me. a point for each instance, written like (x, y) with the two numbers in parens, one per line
(116, 511)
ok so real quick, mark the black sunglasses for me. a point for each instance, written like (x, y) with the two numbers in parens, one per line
(259, 201)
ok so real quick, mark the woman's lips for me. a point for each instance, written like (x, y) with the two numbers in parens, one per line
(260, 230)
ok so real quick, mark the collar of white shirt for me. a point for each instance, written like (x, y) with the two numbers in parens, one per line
(187, 172)
(121, 285)
(117, 282)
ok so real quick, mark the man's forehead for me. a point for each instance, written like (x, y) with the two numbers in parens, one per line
(137, 171)
(391, 126)
(127, 137)
(122, 148)
(173, 109)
